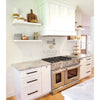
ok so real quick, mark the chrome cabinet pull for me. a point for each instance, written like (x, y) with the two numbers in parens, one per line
(32, 81)
(32, 92)
(87, 71)
(31, 72)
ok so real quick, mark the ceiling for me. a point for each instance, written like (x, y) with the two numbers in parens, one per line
(87, 10)
(87, 6)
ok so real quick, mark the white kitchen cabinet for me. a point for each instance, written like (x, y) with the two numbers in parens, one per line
(28, 83)
(57, 18)
(85, 68)
(46, 79)
(33, 83)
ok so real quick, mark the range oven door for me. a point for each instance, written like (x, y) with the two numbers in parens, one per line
(57, 79)
(72, 74)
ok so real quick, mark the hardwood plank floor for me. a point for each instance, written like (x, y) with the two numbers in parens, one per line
(57, 96)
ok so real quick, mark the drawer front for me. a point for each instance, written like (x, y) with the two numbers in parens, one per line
(88, 64)
(87, 72)
(31, 93)
(32, 80)
(88, 59)
(30, 72)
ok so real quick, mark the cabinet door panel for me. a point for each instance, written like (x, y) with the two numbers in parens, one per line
(46, 79)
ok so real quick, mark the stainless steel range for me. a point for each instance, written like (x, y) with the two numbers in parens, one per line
(65, 72)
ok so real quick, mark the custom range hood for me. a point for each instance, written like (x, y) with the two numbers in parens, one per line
(59, 33)
(57, 17)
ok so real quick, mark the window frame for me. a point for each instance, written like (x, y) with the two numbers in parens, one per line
(84, 51)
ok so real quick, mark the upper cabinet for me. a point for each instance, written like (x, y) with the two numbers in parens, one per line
(57, 18)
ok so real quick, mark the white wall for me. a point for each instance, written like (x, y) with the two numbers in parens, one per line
(92, 39)
(15, 52)
(86, 31)
(18, 52)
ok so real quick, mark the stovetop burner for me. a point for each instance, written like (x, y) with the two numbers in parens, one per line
(57, 59)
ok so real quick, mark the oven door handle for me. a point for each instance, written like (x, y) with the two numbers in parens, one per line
(58, 71)
(72, 67)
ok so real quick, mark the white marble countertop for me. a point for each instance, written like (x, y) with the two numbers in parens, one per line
(79, 56)
(30, 64)
(82, 91)
(39, 63)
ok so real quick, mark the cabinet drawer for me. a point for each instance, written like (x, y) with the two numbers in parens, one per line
(88, 59)
(88, 64)
(87, 71)
(30, 72)
(31, 93)
(32, 80)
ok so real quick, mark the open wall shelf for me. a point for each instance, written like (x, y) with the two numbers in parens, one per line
(26, 23)
(27, 40)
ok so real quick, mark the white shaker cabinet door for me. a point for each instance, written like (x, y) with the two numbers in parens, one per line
(46, 79)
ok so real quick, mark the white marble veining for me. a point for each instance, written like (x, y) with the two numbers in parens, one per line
(30, 64)
(83, 91)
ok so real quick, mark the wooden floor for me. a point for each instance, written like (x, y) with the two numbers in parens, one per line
(57, 96)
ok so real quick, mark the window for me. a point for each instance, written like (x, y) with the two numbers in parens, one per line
(58, 77)
(84, 44)
(72, 73)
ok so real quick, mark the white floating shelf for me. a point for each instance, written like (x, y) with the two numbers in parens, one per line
(79, 29)
(27, 40)
(27, 23)
(73, 40)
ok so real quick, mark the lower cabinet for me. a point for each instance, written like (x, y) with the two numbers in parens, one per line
(31, 92)
(33, 83)
(46, 79)
(85, 68)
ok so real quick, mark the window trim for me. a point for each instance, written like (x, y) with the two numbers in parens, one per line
(85, 44)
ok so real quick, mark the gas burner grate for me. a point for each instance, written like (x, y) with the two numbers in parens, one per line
(57, 59)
